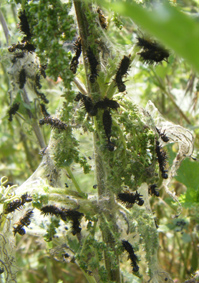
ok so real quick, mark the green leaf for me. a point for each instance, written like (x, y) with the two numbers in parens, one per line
(173, 28)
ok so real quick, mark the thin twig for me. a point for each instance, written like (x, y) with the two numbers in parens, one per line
(5, 27)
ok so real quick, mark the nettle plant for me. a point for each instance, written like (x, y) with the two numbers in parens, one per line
(111, 223)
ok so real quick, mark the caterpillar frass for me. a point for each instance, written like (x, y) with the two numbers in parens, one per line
(122, 70)
(153, 190)
(93, 63)
(102, 19)
(13, 110)
(23, 221)
(131, 198)
(43, 110)
(22, 78)
(132, 256)
(162, 135)
(151, 52)
(24, 26)
(54, 122)
(75, 61)
(162, 157)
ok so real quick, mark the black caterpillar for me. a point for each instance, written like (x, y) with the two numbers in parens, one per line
(152, 51)
(22, 46)
(93, 65)
(122, 70)
(43, 110)
(102, 19)
(153, 190)
(107, 122)
(131, 198)
(22, 78)
(18, 203)
(75, 61)
(132, 256)
(162, 135)
(54, 122)
(162, 157)
(64, 213)
(92, 108)
(12, 111)
(24, 26)
(23, 221)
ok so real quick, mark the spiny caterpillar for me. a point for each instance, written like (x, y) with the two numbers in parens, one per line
(22, 78)
(92, 108)
(102, 19)
(93, 65)
(41, 95)
(22, 46)
(153, 190)
(106, 103)
(162, 135)
(132, 256)
(75, 61)
(43, 110)
(162, 156)
(75, 217)
(152, 51)
(24, 26)
(88, 104)
(12, 111)
(54, 122)
(64, 213)
(17, 204)
(131, 198)
(107, 122)
(122, 70)
(23, 221)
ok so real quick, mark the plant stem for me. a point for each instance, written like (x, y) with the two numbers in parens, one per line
(88, 37)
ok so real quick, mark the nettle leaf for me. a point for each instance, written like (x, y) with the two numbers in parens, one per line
(175, 29)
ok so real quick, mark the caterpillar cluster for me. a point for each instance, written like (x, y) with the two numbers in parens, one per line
(93, 65)
(18, 203)
(65, 214)
(122, 70)
(162, 135)
(23, 221)
(102, 19)
(13, 109)
(151, 51)
(131, 198)
(54, 122)
(75, 61)
(153, 190)
(132, 256)
(162, 156)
